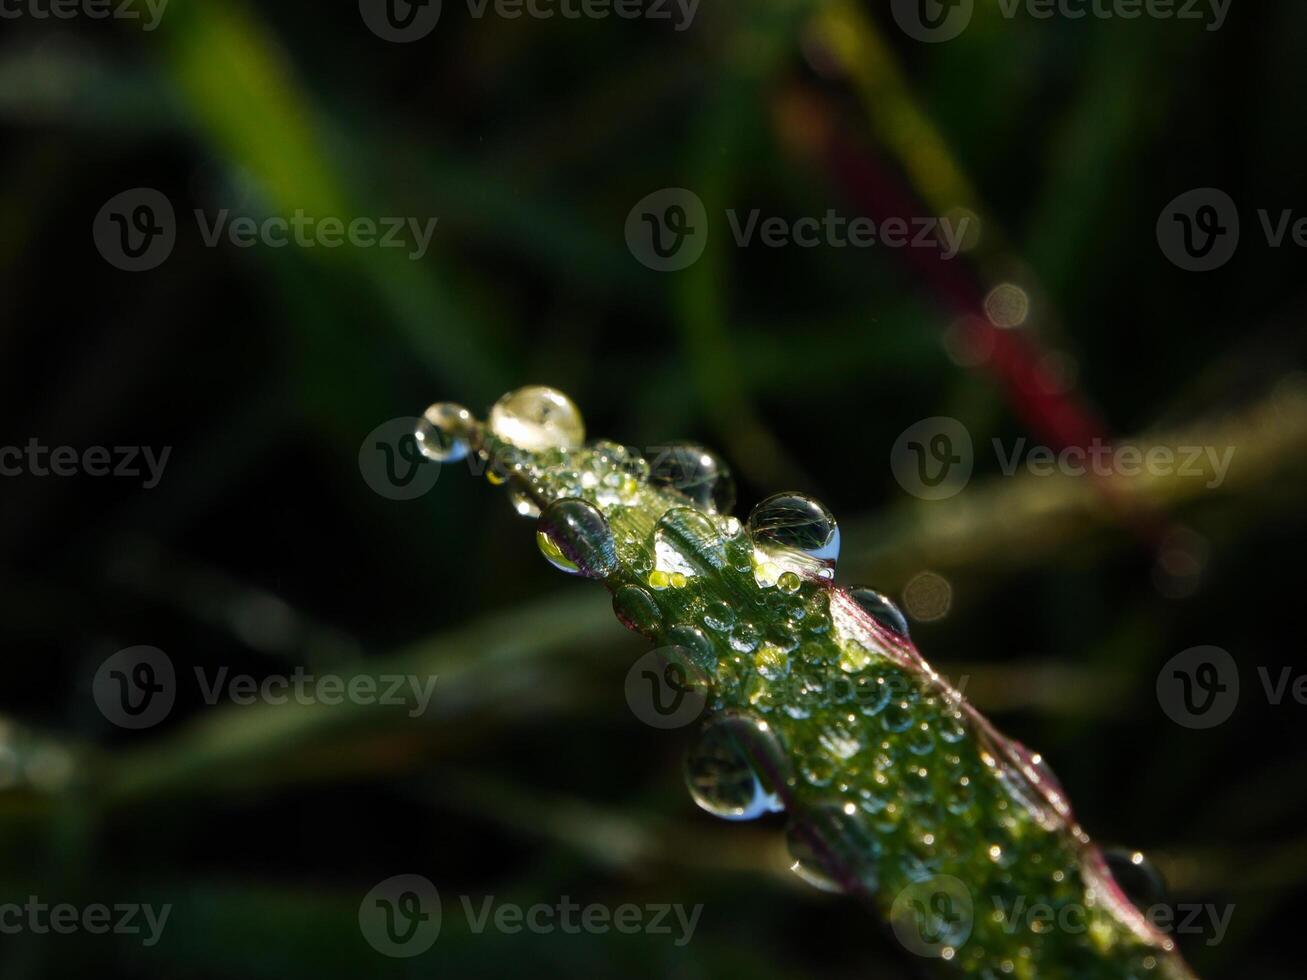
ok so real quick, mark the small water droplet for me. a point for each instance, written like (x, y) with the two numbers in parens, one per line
(719, 616)
(696, 473)
(1137, 876)
(745, 637)
(798, 522)
(575, 537)
(880, 608)
(637, 609)
(734, 768)
(871, 693)
(444, 432)
(536, 418)
(788, 582)
(897, 717)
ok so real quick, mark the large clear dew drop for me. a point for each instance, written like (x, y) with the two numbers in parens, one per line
(537, 418)
(696, 472)
(735, 767)
(796, 522)
(575, 538)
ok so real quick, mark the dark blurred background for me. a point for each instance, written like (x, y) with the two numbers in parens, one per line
(266, 545)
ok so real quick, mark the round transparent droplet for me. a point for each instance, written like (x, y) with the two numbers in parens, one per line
(444, 432)
(700, 648)
(1137, 876)
(637, 609)
(834, 848)
(695, 472)
(880, 608)
(537, 418)
(797, 522)
(575, 537)
(745, 636)
(897, 716)
(734, 767)
(719, 616)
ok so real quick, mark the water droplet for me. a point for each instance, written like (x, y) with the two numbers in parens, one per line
(797, 522)
(695, 472)
(536, 418)
(719, 616)
(880, 608)
(1137, 876)
(921, 739)
(771, 662)
(734, 768)
(871, 693)
(834, 849)
(745, 637)
(444, 432)
(687, 541)
(701, 648)
(788, 582)
(574, 536)
(637, 609)
(897, 717)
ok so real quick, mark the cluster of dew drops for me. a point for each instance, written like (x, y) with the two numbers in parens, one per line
(764, 677)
